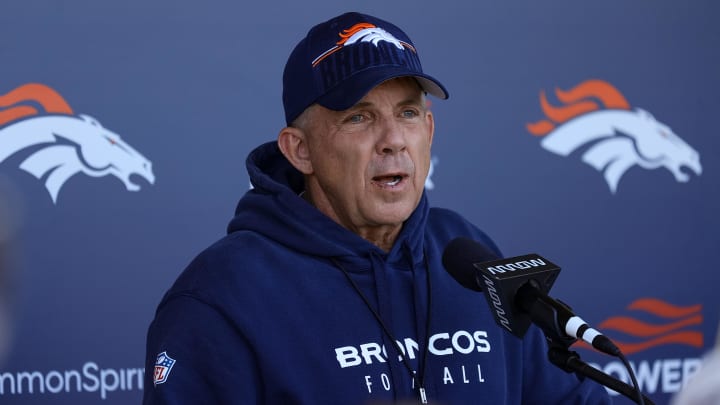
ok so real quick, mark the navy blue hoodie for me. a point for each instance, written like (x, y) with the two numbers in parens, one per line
(292, 308)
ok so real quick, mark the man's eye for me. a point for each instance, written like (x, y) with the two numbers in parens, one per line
(410, 113)
(356, 118)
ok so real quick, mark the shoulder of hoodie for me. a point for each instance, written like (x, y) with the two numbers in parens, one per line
(236, 262)
(226, 266)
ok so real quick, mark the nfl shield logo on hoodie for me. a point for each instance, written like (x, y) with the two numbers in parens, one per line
(163, 365)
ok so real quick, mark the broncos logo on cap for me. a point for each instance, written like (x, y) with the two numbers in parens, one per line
(617, 137)
(363, 32)
(63, 144)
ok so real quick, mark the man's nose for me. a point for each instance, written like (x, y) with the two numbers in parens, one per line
(392, 138)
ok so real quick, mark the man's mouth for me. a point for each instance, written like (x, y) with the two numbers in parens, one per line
(388, 181)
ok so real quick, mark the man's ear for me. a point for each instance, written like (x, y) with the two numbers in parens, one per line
(431, 123)
(293, 144)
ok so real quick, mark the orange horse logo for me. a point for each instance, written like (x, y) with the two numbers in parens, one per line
(597, 117)
(35, 118)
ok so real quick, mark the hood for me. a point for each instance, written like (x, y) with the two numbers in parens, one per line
(274, 209)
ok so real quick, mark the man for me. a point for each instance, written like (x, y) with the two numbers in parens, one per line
(329, 287)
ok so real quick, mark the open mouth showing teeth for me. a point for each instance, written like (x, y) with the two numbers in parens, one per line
(388, 181)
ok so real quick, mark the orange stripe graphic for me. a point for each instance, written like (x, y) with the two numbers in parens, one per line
(688, 338)
(662, 308)
(670, 332)
(634, 327)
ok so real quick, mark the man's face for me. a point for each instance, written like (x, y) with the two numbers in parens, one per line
(369, 163)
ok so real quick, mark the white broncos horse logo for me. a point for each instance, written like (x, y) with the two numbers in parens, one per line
(429, 183)
(373, 35)
(363, 32)
(624, 139)
(614, 140)
(64, 145)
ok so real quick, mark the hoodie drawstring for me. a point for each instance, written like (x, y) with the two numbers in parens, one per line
(417, 378)
(418, 294)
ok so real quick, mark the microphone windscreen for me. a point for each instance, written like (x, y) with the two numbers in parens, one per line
(459, 256)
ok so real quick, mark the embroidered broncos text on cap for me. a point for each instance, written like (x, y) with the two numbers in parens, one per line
(342, 59)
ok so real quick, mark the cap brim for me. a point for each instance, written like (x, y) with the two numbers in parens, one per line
(354, 88)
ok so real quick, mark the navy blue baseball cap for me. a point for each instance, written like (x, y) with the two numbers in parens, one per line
(342, 59)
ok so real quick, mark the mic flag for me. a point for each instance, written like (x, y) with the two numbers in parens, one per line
(499, 279)
(504, 280)
(516, 289)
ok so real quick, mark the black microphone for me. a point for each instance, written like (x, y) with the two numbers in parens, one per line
(516, 289)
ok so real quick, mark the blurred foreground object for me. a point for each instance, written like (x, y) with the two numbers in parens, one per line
(10, 219)
(704, 387)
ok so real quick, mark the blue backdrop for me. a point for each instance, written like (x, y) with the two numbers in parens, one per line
(585, 132)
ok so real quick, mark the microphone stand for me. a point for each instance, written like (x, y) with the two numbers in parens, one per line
(569, 361)
(544, 313)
